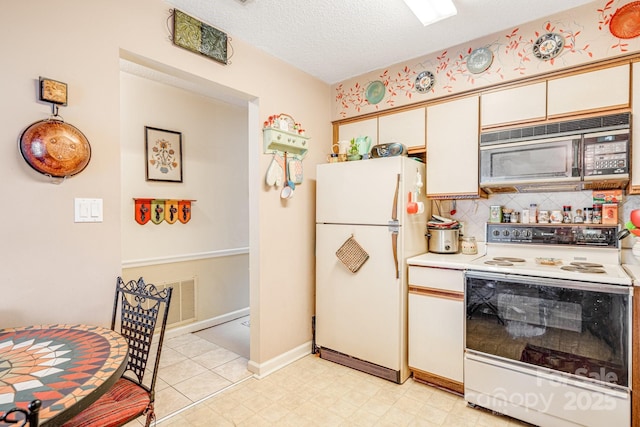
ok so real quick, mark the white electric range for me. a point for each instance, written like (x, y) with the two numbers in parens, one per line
(589, 253)
(548, 325)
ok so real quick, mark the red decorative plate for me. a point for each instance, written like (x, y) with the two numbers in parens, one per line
(625, 23)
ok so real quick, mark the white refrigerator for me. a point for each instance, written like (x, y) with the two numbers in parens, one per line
(361, 316)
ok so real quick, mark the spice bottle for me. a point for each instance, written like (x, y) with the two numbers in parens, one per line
(533, 213)
(597, 214)
(588, 215)
(566, 214)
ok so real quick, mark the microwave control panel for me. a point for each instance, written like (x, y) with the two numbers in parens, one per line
(608, 155)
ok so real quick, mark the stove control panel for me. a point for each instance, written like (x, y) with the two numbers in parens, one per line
(554, 234)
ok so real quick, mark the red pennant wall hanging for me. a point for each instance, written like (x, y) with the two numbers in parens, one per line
(143, 211)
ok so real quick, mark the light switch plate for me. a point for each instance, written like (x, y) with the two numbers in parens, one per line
(88, 210)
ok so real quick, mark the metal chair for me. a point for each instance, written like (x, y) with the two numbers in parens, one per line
(29, 416)
(142, 306)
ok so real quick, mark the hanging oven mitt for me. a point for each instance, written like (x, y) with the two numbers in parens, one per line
(352, 255)
(295, 170)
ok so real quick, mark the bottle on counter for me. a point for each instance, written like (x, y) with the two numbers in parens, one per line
(533, 213)
(597, 214)
(566, 214)
(588, 215)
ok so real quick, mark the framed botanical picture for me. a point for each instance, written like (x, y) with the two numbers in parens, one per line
(163, 154)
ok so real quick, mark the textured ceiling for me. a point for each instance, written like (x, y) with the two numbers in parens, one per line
(338, 39)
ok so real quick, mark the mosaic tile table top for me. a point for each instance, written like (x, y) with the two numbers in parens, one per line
(58, 364)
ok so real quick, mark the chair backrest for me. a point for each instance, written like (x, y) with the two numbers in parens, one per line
(30, 415)
(142, 309)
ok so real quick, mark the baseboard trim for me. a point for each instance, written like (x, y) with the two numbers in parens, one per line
(261, 370)
(207, 323)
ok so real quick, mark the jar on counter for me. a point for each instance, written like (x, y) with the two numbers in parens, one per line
(543, 217)
(556, 216)
(469, 246)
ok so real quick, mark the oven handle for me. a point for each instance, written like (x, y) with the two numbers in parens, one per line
(546, 281)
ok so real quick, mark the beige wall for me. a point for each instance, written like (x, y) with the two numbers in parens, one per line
(215, 174)
(215, 170)
(59, 271)
(222, 284)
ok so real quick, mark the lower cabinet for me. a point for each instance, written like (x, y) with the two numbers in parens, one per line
(436, 326)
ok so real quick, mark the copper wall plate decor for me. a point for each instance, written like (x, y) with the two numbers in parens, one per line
(625, 23)
(55, 148)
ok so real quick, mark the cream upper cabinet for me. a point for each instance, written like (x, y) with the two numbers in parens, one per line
(514, 105)
(634, 187)
(368, 127)
(406, 127)
(594, 90)
(452, 149)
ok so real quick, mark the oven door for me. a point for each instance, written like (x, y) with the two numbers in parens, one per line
(577, 328)
(545, 160)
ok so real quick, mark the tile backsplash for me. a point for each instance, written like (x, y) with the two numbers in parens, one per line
(474, 214)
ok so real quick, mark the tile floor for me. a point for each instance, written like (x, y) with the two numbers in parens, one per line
(204, 384)
(197, 365)
(316, 392)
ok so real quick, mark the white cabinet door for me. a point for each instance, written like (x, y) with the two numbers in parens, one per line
(635, 128)
(516, 105)
(436, 325)
(452, 148)
(406, 127)
(351, 130)
(606, 88)
(435, 336)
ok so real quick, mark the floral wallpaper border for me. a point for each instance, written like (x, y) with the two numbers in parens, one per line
(587, 38)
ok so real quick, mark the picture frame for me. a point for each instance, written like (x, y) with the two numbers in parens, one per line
(196, 36)
(163, 154)
(53, 91)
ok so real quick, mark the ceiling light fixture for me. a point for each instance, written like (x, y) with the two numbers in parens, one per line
(430, 11)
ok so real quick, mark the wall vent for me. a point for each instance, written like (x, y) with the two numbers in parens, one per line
(183, 301)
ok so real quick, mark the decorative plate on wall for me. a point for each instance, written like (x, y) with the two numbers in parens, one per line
(548, 46)
(425, 81)
(479, 60)
(375, 92)
(625, 22)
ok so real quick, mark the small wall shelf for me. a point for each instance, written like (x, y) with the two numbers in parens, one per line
(282, 134)
(276, 140)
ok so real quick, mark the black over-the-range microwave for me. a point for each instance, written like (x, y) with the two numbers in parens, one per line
(591, 153)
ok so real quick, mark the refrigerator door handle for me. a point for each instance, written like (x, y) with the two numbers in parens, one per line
(394, 209)
(394, 244)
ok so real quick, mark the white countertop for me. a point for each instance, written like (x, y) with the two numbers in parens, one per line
(632, 265)
(457, 261)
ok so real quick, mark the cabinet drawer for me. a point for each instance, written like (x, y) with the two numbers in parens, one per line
(437, 278)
